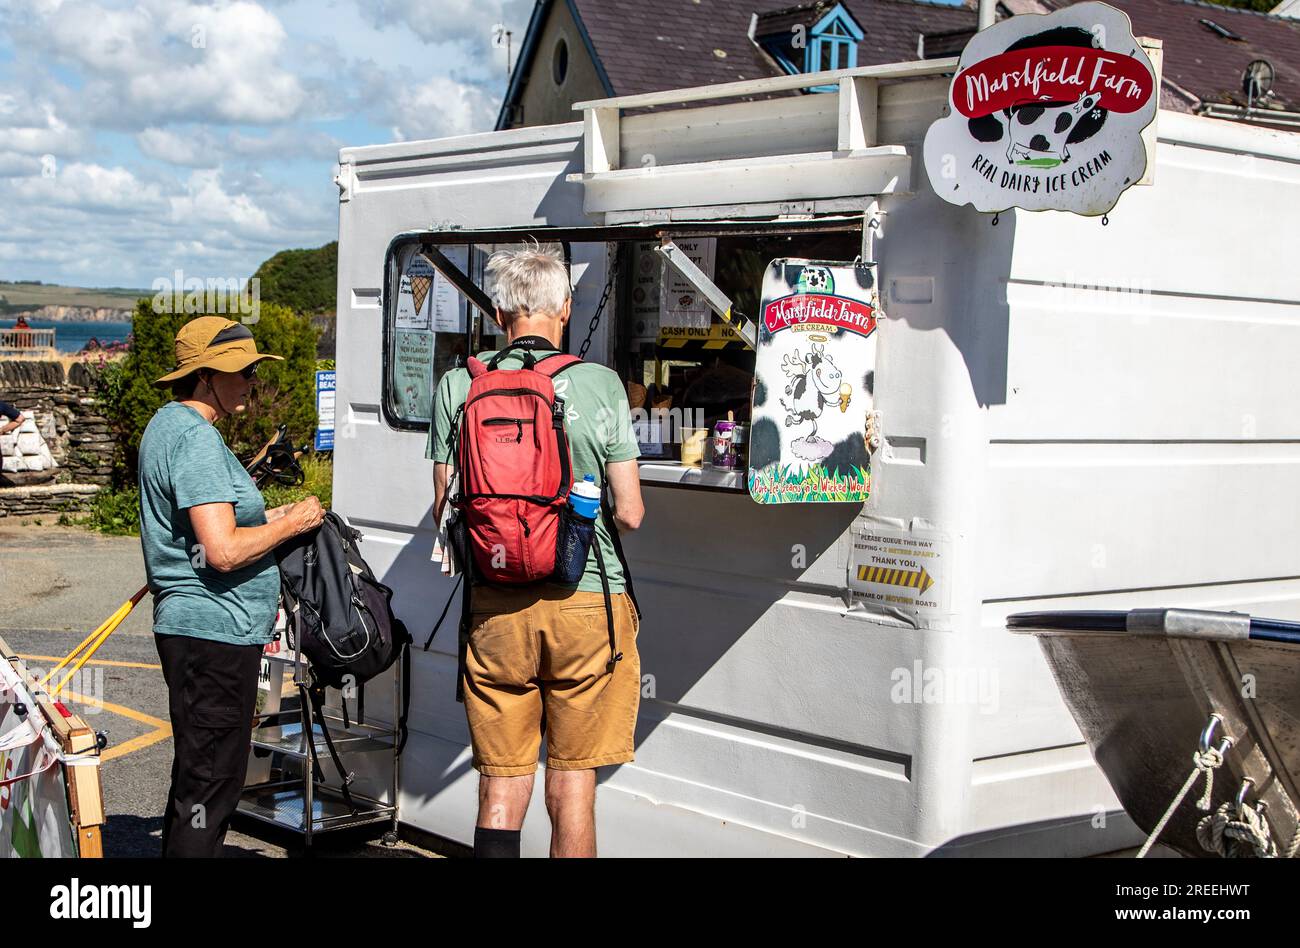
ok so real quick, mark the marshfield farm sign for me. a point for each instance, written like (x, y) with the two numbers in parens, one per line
(1045, 112)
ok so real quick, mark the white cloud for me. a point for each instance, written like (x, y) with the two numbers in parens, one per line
(441, 107)
(438, 21)
(193, 148)
(34, 128)
(285, 143)
(206, 202)
(14, 165)
(158, 61)
(98, 226)
(198, 146)
(87, 187)
(142, 136)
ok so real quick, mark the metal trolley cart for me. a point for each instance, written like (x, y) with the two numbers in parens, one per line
(285, 783)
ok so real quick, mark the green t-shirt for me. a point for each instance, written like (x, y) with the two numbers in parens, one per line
(185, 463)
(599, 426)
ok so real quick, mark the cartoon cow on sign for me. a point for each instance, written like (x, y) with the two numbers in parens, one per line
(1041, 131)
(814, 384)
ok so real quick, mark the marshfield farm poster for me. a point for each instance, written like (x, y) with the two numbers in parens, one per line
(815, 374)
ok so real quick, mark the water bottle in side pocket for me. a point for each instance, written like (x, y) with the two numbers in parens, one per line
(577, 530)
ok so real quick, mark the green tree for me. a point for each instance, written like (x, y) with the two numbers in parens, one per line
(285, 392)
(304, 280)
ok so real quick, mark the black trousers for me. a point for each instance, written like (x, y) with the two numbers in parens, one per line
(212, 694)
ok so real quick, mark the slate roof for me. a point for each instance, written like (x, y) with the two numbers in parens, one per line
(1206, 64)
(653, 45)
(787, 18)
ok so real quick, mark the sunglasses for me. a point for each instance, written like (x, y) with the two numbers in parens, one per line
(249, 372)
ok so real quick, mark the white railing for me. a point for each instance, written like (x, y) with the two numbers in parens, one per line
(23, 341)
(857, 104)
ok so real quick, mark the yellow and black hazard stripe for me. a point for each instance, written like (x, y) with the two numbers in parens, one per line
(892, 576)
(680, 340)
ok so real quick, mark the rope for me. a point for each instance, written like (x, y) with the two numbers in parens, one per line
(1207, 762)
(1231, 828)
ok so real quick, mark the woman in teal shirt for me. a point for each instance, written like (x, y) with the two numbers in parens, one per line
(207, 539)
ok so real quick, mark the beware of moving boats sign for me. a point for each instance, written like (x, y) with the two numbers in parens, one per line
(902, 573)
(1045, 112)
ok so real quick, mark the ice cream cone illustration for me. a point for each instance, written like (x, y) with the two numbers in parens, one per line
(420, 289)
(846, 392)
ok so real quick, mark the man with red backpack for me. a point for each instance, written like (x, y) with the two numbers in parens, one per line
(549, 625)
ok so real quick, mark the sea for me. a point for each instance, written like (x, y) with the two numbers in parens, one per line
(72, 336)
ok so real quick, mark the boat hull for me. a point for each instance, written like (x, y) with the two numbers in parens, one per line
(1143, 701)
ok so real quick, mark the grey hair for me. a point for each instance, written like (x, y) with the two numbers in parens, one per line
(530, 280)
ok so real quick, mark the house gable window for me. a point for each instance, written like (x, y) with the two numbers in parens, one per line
(824, 37)
(833, 44)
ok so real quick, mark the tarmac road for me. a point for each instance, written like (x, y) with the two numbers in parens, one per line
(59, 583)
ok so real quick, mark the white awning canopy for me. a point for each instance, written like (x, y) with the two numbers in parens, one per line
(823, 148)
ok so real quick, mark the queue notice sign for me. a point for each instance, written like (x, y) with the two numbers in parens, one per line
(902, 573)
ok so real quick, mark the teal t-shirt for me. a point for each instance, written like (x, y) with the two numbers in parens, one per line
(599, 425)
(184, 463)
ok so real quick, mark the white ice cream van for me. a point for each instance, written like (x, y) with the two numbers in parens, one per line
(1071, 414)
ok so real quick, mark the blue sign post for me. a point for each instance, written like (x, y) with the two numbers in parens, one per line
(325, 411)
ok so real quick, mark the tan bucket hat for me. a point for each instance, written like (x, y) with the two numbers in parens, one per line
(212, 342)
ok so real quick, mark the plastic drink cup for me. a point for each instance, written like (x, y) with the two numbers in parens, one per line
(693, 443)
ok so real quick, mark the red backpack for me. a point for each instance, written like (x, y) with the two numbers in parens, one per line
(512, 457)
(515, 471)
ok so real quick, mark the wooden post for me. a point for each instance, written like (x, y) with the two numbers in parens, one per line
(1155, 50)
(600, 140)
(858, 107)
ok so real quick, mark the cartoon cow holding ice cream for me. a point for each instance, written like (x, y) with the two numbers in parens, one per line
(814, 384)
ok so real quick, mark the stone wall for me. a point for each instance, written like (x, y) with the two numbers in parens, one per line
(46, 499)
(79, 437)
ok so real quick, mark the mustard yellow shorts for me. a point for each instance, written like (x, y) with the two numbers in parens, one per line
(537, 661)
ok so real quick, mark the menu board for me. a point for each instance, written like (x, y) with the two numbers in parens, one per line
(413, 374)
(815, 374)
(428, 323)
(681, 305)
(647, 280)
(414, 302)
(448, 306)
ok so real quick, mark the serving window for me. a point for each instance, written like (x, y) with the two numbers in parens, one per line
(433, 321)
(683, 367)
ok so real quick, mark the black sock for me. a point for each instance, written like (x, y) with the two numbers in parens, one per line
(495, 844)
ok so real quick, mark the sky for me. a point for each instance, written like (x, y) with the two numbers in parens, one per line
(143, 137)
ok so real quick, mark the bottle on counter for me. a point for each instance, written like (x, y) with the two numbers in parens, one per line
(723, 451)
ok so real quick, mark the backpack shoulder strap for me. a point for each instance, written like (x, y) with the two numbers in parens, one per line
(314, 697)
(475, 367)
(615, 656)
(552, 365)
(608, 511)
